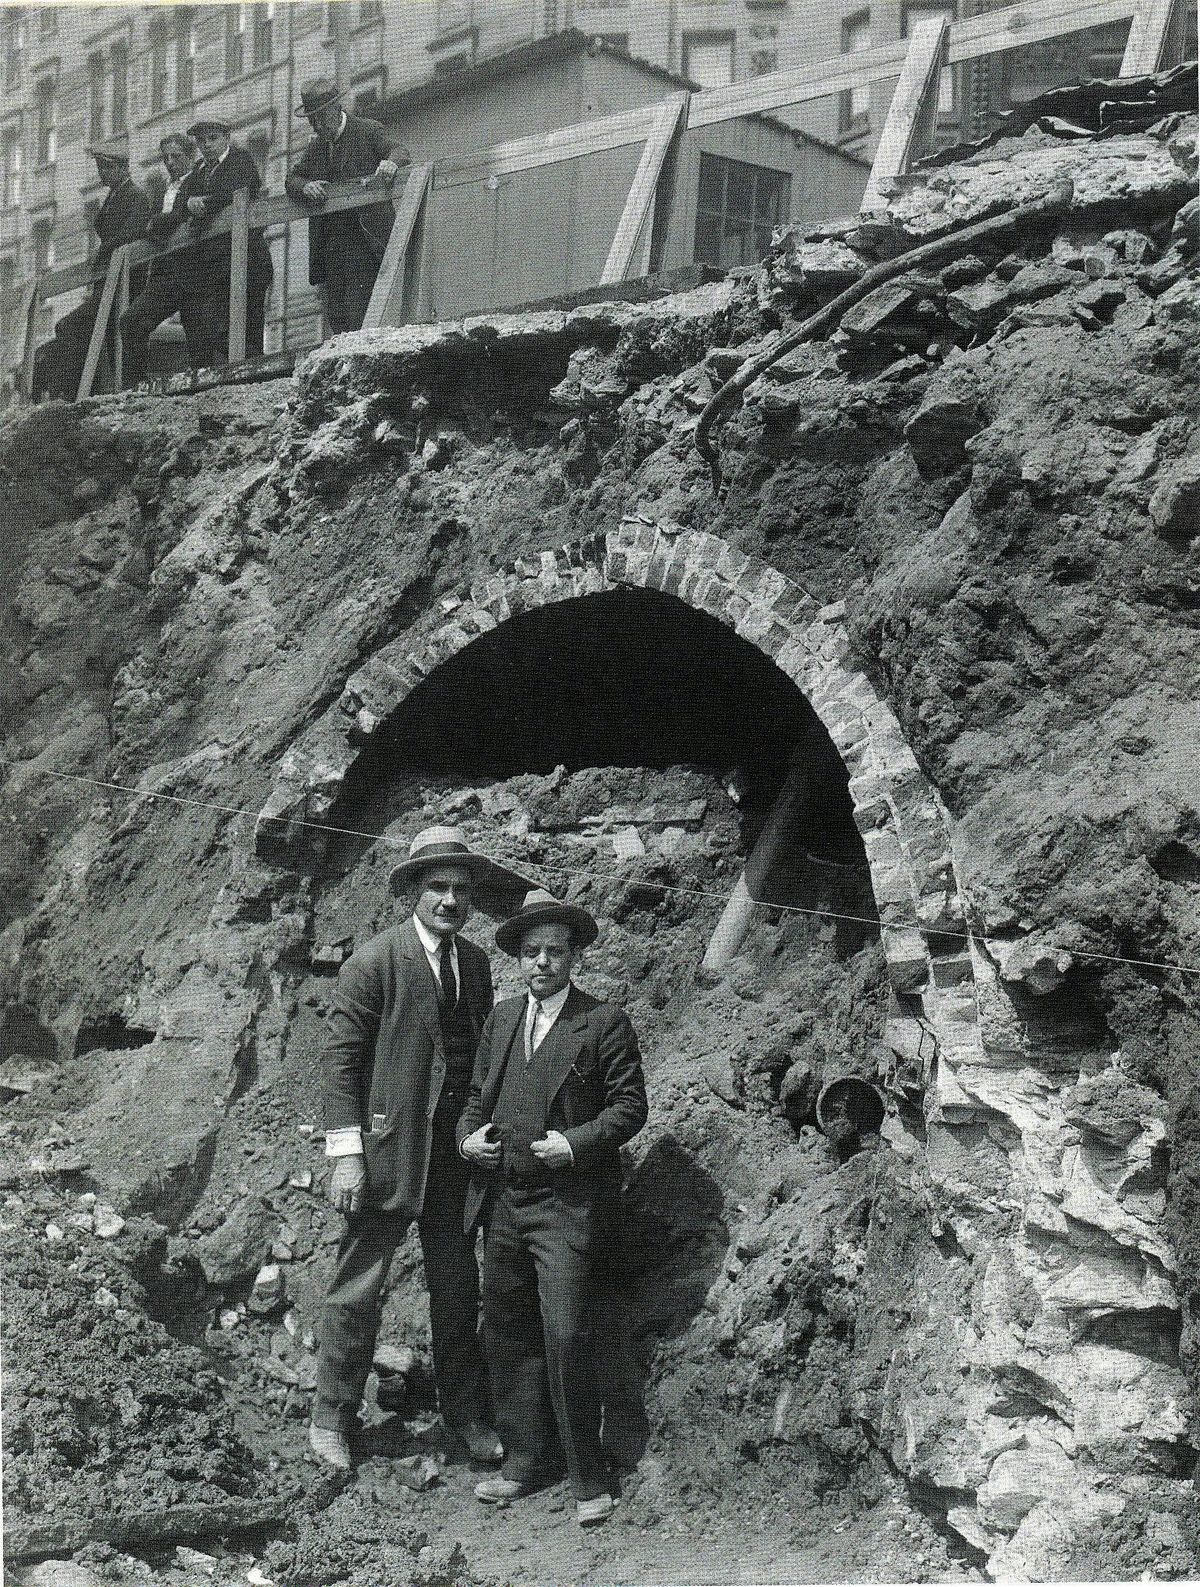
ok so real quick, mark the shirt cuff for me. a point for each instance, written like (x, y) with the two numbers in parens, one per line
(344, 1143)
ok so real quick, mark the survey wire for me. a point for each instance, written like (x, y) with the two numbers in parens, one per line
(662, 887)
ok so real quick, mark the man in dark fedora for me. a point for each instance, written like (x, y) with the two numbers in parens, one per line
(557, 1090)
(121, 218)
(344, 250)
(406, 1018)
(163, 294)
(225, 169)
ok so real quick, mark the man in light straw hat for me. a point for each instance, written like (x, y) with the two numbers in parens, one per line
(557, 1090)
(407, 1015)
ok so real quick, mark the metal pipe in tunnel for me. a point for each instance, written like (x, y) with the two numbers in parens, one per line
(740, 912)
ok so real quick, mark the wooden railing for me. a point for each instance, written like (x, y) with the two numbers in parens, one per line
(916, 63)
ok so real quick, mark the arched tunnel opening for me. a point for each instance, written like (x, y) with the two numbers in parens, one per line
(626, 678)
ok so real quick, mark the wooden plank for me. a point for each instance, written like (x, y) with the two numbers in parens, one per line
(639, 206)
(239, 253)
(96, 346)
(24, 336)
(118, 342)
(1018, 25)
(387, 296)
(913, 110)
(1148, 33)
(547, 148)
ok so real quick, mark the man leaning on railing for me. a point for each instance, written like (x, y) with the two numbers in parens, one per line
(122, 218)
(204, 271)
(163, 294)
(346, 249)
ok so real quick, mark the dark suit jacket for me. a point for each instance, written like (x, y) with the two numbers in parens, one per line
(385, 1062)
(216, 188)
(121, 218)
(596, 1091)
(162, 227)
(356, 153)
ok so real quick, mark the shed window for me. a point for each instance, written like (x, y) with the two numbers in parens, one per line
(708, 59)
(855, 102)
(43, 246)
(738, 207)
(120, 87)
(44, 97)
(235, 41)
(11, 146)
(14, 45)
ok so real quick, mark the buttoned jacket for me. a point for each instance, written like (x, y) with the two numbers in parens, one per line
(362, 145)
(121, 218)
(216, 187)
(595, 1089)
(385, 1060)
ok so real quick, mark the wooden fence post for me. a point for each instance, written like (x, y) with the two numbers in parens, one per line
(100, 326)
(638, 211)
(23, 336)
(118, 340)
(913, 111)
(387, 296)
(1149, 34)
(239, 252)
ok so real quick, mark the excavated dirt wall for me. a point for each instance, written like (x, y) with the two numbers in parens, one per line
(952, 571)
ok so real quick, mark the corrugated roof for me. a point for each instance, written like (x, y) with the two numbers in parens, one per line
(558, 46)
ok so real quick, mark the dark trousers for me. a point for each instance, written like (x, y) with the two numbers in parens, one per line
(538, 1308)
(158, 300)
(351, 265)
(58, 364)
(350, 1320)
(206, 306)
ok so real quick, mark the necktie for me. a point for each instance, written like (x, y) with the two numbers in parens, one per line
(446, 975)
(535, 1011)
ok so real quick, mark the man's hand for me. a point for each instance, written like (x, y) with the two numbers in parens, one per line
(348, 1182)
(482, 1147)
(196, 207)
(553, 1150)
(387, 170)
(315, 192)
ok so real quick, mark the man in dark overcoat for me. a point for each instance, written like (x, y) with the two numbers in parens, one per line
(163, 295)
(121, 218)
(406, 1018)
(226, 168)
(344, 250)
(557, 1090)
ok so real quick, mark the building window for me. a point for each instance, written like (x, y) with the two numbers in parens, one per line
(855, 105)
(96, 77)
(47, 22)
(14, 45)
(185, 55)
(915, 11)
(43, 246)
(45, 133)
(259, 144)
(10, 151)
(159, 44)
(235, 40)
(708, 59)
(370, 12)
(738, 207)
(264, 20)
(120, 88)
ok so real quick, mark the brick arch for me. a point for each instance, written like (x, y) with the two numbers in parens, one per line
(903, 824)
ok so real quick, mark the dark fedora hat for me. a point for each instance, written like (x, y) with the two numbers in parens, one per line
(543, 909)
(447, 846)
(316, 94)
(207, 124)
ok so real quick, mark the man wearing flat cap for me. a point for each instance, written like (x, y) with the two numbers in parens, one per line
(406, 1018)
(344, 250)
(226, 168)
(557, 1091)
(120, 219)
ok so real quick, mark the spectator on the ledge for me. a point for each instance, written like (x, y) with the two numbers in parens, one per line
(121, 218)
(345, 250)
(225, 169)
(163, 295)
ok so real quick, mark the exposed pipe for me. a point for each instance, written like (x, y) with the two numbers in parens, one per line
(826, 319)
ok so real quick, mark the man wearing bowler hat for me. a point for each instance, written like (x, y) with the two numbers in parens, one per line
(344, 250)
(557, 1090)
(205, 270)
(406, 1017)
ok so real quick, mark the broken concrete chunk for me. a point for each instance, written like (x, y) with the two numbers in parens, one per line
(394, 1359)
(938, 432)
(418, 1472)
(891, 303)
(237, 1247)
(269, 1290)
(980, 308)
(627, 844)
(1175, 505)
(108, 1223)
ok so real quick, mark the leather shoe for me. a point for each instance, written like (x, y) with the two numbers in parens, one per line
(501, 1490)
(590, 1512)
(331, 1446)
(482, 1443)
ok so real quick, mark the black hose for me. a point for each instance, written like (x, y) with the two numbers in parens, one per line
(1023, 217)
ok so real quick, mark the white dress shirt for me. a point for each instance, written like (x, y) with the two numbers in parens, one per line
(540, 1017)
(348, 1142)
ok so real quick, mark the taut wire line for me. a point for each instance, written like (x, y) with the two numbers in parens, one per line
(662, 887)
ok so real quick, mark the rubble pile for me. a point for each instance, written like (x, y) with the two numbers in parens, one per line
(957, 537)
